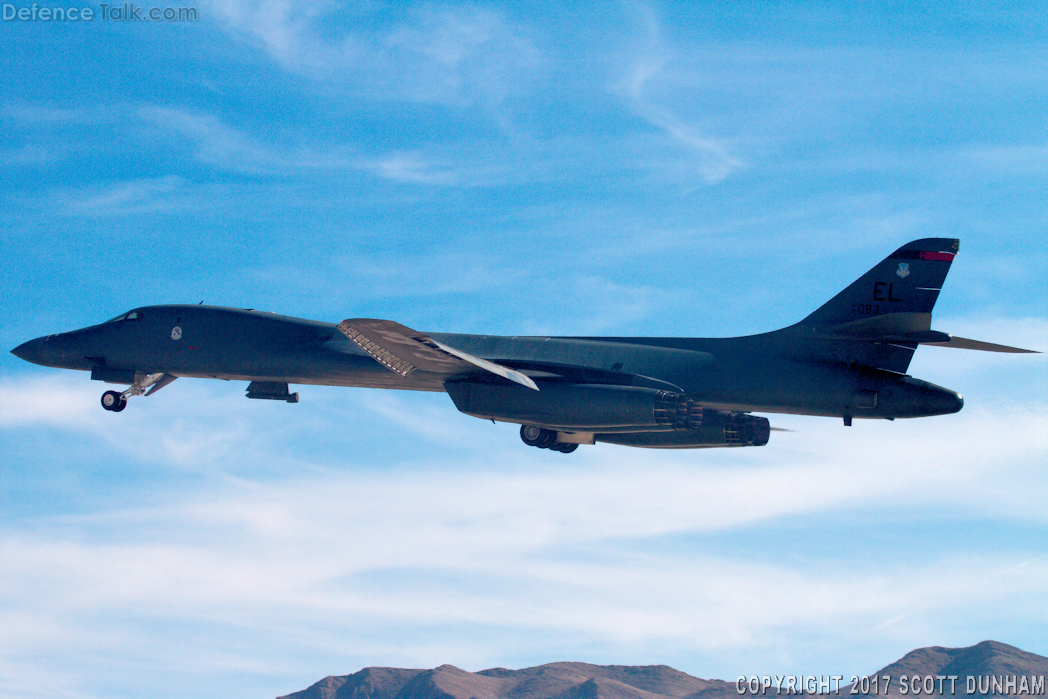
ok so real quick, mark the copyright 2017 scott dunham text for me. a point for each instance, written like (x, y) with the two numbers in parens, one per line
(904, 685)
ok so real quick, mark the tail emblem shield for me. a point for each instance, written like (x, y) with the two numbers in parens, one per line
(904, 269)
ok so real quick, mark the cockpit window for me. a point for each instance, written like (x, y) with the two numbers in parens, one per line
(132, 315)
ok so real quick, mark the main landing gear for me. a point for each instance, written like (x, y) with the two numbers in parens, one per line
(114, 401)
(542, 438)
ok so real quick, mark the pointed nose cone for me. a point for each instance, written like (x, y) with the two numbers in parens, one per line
(70, 350)
(32, 351)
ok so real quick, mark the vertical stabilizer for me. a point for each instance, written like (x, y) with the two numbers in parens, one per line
(879, 320)
(907, 281)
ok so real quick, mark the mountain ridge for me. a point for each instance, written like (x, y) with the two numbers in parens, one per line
(909, 677)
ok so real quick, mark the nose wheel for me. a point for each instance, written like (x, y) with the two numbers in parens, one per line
(144, 385)
(540, 437)
(113, 401)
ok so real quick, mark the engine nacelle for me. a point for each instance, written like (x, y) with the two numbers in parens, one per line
(574, 407)
(621, 414)
(718, 429)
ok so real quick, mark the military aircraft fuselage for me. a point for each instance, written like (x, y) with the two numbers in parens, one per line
(759, 373)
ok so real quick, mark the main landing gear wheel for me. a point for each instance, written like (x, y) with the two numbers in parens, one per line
(539, 437)
(542, 438)
(113, 401)
(564, 447)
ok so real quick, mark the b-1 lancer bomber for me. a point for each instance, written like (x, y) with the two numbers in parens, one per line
(847, 360)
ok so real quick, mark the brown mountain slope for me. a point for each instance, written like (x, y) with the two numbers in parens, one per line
(583, 681)
(369, 683)
(984, 660)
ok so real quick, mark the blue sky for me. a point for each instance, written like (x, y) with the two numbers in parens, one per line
(701, 169)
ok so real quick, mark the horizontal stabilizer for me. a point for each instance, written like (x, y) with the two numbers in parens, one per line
(965, 343)
(889, 327)
(403, 350)
(911, 328)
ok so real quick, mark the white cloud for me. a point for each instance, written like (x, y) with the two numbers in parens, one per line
(216, 142)
(412, 167)
(418, 167)
(48, 135)
(588, 304)
(461, 55)
(436, 273)
(446, 55)
(30, 113)
(929, 463)
(131, 197)
(311, 529)
(1031, 159)
(284, 30)
(707, 157)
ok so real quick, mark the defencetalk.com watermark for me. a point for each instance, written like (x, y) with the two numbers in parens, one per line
(105, 12)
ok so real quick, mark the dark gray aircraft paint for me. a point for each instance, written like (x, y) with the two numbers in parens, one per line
(848, 360)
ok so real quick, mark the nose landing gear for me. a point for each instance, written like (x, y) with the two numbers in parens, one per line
(145, 384)
(540, 437)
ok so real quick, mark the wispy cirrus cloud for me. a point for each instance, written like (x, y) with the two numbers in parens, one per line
(705, 157)
(1015, 160)
(435, 273)
(23, 113)
(419, 167)
(441, 55)
(285, 30)
(135, 196)
(217, 143)
(591, 304)
(48, 134)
